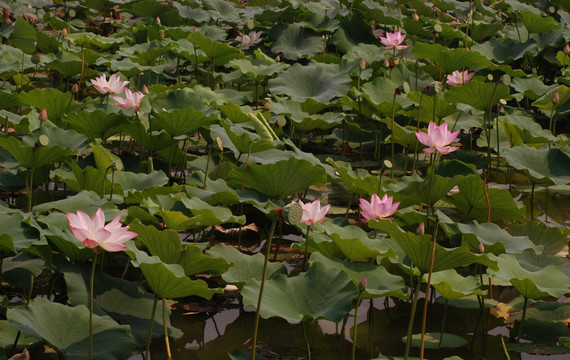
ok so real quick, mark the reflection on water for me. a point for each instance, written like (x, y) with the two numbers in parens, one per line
(212, 335)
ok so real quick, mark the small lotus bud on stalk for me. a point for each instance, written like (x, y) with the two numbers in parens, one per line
(567, 49)
(158, 20)
(75, 88)
(64, 31)
(421, 229)
(386, 63)
(416, 17)
(363, 284)
(278, 58)
(555, 98)
(145, 90)
(43, 114)
(362, 64)
(481, 247)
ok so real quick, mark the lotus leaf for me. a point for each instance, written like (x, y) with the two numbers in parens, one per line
(541, 165)
(495, 239)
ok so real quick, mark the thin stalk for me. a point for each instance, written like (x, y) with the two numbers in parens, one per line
(412, 316)
(355, 325)
(392, 128)
(414, 166)
(532, 202)
(164, 323)
(306, 257)
(424, 317)
(443, 324)
(91, 281)
(522, 320)
(262, 286)
(307, 344)
(149, 337)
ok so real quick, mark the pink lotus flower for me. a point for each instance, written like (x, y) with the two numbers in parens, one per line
(393, 40)
(378, 209)
(459, 77)
(94, 233)
(437, 139)
(130, 101)
(113, 86)
(378, 33)
(247, 41)
(312, 212)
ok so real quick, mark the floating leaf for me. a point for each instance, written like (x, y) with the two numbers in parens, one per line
(480, 95)
(495, 239)
(180, 121)
(551, 239)
(541, 165)
(296, 42)
(438, 340)
(453, 286)
(449, 59)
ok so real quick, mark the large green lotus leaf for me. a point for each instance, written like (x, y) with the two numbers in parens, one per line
(236, 113)
(379, 281)
(435, 105)
(127, 302)
(18, 270)
(320, 243)
(495, 239)
(551, 239)
(504, 52)
(155, 141)
(238, 139)
(358, 181)
(223, 10)
(105, 159)
(149, 8)
(209, 215)
(257, 70)
(283, 178)
(127, 67)
(296, 42)
(215, 191)
(24, 36)
(449, 59)
(102, 42)
(86, 201)
(61, 137)
(381, 13)
(8, 100)
(546, 102)
(520, 128)
(536, 24)
(531, 87)
(453, 286)
(304, 120)
(220, 53)
(147, 54)
(400, 134)
(244, 267)
(380, 94)
(413, 189)
(96, 124)
(472, 203)
(31, 156)
(320, 293)
(9, 333)
(64, 62)
(480, 95)
(352, 241)
(541, 165)
(533, 262)
(549, 281)
(58, 233)
(437, 340)
(167, 280)
(89, 179)
(180, 121)
(130, 181)
(16, 234)
(418, 249)
(315, 81)
(66, 329)
(167, 245)
(54, 101)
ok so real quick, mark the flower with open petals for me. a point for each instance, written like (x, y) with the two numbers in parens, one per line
(113, 86)
(312, 212)
(459, 77)
(132, 100)
(253, 38)
(378, 209)
(393, 40)
(94, 232)
(437, 139)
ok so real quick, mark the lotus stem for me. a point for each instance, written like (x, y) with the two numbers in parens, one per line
(522, 320)
(307, 345)
(91, 281)
(412, 316)
(306, 257)
(356, 325)
(262, 285)
(165, 325)
(532, 202)
(443, 323)
(414, 165)
(424, 317)
(396, 91)
(151, 325)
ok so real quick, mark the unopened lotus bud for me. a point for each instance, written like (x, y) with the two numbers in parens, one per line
(278, 58)
(396, 61)
(158, 20)
(145, 90)
(43, 114)
(362, 64)
(363, 284)
(555, 98)
(386, 63)
(64, 31)
(416, 17)
(567, 49)
(481, 247)
(421, 229)
(75, 88)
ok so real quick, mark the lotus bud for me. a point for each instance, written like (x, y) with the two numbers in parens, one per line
(421, 229)
(43, 114)
(481, 247)
(555, 98)
(416, 17)
(278, 58)
(386, 63)
(75, 88)
(158, 20)
(145, 90)
(362, 284)
(362, 64)
(567, 49)
(64, 31)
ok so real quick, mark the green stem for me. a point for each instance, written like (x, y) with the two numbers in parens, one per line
(307, 345)
(522, 320)
(443, 324)
(424, 317)
(306, 257)
(149, 338)
(91, 281)
(412, 316)
(355, 326)
(262, 286)
(165, 324)
(392, 129)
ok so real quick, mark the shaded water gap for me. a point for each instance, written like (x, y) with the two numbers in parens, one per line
(212, 334)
